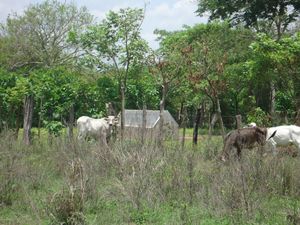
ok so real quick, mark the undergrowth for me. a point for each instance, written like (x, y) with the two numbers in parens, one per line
(67, 182)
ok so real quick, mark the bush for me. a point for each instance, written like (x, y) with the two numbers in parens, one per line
(54, 127)
(86, 183)
(9, 169)
(258, 116)
(66, 207)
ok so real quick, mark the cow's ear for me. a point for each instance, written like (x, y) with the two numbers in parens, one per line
(259, 130)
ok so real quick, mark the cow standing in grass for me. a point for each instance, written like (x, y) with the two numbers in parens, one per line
(243, 138)
(99, 129)
(285, 135)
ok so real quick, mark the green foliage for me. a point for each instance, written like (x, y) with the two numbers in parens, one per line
(209, 64)
(54, 127)
(13, 88)
(284, 101)
(141, 217)
(107, 90)
(66, 209)
(277, 62)
(45, 44)
(9, 174)
(105, 184)
(142, 89)
(116, 42)
(56, 91)
(260, 14)
(259, 117)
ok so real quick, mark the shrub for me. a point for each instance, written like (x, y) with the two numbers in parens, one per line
(9, 169)
(66, 207)
(258, 116)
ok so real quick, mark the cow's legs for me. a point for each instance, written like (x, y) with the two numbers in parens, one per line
(225, 152)
(80, 135)
(224, 156)
(104, 141)
(273, 146)
(239, 151)
(102, 138)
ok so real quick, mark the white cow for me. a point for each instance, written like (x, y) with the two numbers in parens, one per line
(99, 129)
(285, 135)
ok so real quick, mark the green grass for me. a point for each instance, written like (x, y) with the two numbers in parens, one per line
(137, 184)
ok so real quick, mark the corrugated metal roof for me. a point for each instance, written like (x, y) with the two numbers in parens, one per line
(134, 118)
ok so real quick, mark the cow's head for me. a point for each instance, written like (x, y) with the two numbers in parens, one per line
(261, 134)
(111, 120)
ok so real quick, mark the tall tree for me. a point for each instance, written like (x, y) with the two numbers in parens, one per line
(281, 60)
(268, 16)
(263, 15)
(39, 38)
(216, 46)
(167, 64)
(115, 46)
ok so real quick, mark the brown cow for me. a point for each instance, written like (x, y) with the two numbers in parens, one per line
(243, 138)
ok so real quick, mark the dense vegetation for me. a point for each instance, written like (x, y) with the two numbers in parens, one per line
(57, 63)
(56, 181)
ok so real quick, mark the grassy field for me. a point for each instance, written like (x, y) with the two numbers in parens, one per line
(58, 181)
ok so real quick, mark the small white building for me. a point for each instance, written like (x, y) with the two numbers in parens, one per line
(134, 124)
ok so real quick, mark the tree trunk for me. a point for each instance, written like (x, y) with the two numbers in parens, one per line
(144, 122)
(161, 115)
(28, 113)
(40, 118)
(71, 122)
(122, 110)
(272, 100)
(220, 118)
(297, 119)
(217, 117)
(212, 124)
(238, 119)
(184, 122)
(18, 122)
(110, 109)
(196, 125)
(297, 95)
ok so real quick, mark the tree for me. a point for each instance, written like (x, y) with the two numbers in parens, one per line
(115, 46)
(56, 93)
(167, 65)
(11, 99)
(39, 39)
(142, 89)
(263, 15)
(216, 47)
(279, 59)
(268, 16)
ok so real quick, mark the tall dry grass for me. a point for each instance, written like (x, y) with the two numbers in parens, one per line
(71, 182)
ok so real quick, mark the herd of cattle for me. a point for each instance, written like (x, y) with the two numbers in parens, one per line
(250, 136)
(247, 137)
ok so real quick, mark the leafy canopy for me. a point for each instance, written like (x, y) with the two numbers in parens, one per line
(280, 13)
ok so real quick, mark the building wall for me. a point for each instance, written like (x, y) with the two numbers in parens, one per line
(170, 132)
